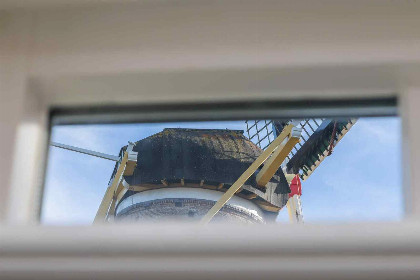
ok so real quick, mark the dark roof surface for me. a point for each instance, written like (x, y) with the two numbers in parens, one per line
(212, 155)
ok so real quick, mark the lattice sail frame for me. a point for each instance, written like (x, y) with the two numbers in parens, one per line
(262, 133)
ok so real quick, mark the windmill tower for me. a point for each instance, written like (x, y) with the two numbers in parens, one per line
(180, 174)
(218, 174)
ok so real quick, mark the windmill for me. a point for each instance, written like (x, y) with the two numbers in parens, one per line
(207, 175)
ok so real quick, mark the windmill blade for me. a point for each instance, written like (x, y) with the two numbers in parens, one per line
(85, 151)
(318, 146)
(316, 139)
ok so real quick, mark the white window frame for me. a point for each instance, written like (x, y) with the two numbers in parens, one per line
(54, 56)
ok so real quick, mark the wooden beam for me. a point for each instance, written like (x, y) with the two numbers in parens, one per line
(109, 194)
(272, 164)
(111, 211)
(164, 182)
(122, 189)
(295, 210)
(120, 195)
(143, 188)
(123, 186)
(130, 167)
(250, 196)
(267, 206)
(291, 210)
(220, 186)
(245, 176)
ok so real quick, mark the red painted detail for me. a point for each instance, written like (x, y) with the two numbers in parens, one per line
(295, 186)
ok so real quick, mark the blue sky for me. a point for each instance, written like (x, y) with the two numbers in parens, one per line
(360, 181)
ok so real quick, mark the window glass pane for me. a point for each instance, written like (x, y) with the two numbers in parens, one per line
(359, 181)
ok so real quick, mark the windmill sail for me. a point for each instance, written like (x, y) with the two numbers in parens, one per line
(318, 138)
